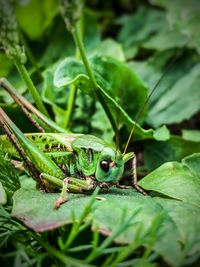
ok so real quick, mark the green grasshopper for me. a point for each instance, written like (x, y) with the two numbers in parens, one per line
(59, 159)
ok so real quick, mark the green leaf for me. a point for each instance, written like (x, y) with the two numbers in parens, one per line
(176, 180)
(113, 76)
(193, 163)
(169, 103)
(187, 219)
(172, 108)
(101, 126)
(166, 39)
(9, 177)
(92, 32)
(111, 48)
(144, 213)
(52, 95)
(175, 149)
(5, 65)
(184, 15)
(59, 44)
(162, 133)
(58, 99)
(117, 86)
(191, 135)
(138, 28)
(3, 196)
(36, 16)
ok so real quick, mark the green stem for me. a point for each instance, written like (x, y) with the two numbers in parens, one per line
(73, 89)
(79, 43)
(70, 106)
(67, 260)
(31, 87)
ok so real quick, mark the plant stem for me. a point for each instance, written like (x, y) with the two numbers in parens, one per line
(31, 87)
(67, 260)
(79, 43)
(70, 106)
(73, 88)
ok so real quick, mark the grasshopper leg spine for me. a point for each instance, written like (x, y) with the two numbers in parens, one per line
(134, 177)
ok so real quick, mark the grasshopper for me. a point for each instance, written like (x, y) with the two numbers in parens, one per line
(59, 159)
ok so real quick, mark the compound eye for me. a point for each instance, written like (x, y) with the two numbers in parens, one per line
(105, 165)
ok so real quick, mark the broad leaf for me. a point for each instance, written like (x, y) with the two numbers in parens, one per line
(175, 149)
(140, 218)
(137, 28)
(166, 106)
(184, 15)
(191, 135)
(162, 133)
(131, 212)
(187, 219)
(86, 113)
(177, 180)
(111, 48)
(166, 39)
(193, 163)
(52, 95)
(60, 44)
(35, 16)
(117, 86)
(173, 108)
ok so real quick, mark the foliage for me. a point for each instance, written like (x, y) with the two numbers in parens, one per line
(98, 86)
(9, 178)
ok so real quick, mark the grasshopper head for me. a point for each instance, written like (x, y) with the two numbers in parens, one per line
(110, 166)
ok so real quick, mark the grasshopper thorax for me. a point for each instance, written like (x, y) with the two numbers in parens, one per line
(110, 166)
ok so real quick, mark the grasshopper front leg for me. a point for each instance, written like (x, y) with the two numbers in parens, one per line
(134, 177)
(131, 156)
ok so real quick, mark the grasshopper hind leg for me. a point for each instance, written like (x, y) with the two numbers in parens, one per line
(63, 195)
(58, 183)
(134, 177)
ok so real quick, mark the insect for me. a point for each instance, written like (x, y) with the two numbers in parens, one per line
(73, 162)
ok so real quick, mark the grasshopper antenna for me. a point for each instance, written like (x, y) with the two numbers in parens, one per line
(117, 142)
(171, 63)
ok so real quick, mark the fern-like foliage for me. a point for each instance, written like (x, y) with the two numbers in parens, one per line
(9, 176)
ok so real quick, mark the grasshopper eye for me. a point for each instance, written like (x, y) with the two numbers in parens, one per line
(105, 165)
